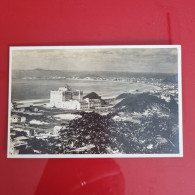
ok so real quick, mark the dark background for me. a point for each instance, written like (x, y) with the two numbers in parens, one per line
(99, 22)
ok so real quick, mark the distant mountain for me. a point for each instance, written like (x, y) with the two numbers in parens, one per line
(43, 73)
(37, 73)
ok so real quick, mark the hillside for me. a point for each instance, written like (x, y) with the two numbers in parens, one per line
(123, 95)
(141, 102)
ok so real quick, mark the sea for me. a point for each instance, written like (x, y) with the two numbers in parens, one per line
(32, 89)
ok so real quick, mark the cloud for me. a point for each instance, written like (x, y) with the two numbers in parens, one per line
(115, 59)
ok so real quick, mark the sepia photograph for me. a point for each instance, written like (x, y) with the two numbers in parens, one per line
(95, 102)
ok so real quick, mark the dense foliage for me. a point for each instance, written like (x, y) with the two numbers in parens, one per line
(154, 133)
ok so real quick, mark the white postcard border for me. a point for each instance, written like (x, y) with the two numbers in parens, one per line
(180, 154)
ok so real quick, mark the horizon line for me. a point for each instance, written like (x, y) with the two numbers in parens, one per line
(92, 71)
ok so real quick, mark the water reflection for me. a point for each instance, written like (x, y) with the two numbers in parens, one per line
(81, 176)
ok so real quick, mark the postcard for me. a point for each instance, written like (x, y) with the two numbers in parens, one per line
(95, 102)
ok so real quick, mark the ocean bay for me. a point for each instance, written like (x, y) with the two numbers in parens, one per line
(40, 88)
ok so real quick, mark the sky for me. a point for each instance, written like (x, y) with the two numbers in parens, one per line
(154, 60)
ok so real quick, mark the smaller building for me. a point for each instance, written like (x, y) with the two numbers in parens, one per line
(23, 119)
(15, 147)
(56, 130)
(95, 103)
(35, 109)
(15, 119)
(84, 104)
(71, 105)
(21, 138)
(94, 100)
(13, 105)
(11, 148)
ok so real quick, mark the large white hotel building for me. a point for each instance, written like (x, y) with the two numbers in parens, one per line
(67, 98)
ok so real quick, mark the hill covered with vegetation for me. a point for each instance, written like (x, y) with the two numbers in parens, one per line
(143, 101)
